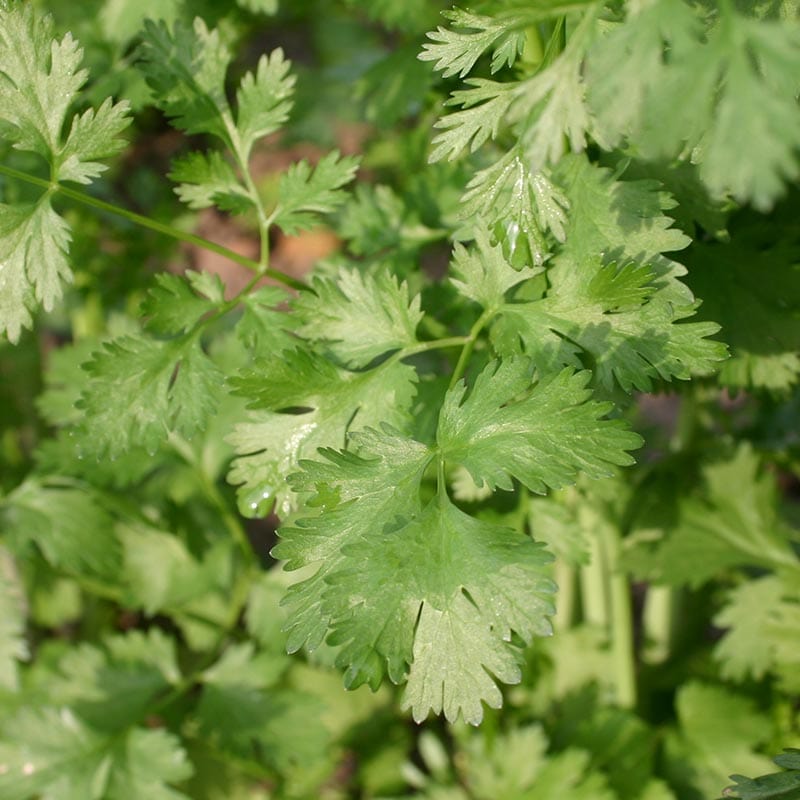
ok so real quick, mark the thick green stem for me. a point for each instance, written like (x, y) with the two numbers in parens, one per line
(594, 579)
(154, 225)
(658, 623)
(621, 619)
(566, 580)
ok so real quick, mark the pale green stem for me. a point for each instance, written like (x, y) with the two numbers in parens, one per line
(566, 580)
(658, 623)
(154, 225)
(469, 346)
(621, 629)
(594, 586)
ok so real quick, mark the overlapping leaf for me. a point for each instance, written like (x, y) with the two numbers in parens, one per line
(426, 605)
(359, 316)
(322, 403)
(622, 315)
(39, 80)
(543, 436)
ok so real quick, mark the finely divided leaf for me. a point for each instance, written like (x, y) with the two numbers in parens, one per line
(542, 434)
(305, 191)
(455, 52)
(621, 316)
(140, 389)
(773, 786)
(428, 592)
(322, 402)
(264, 99)
(34, 242)
(207, 179)
(52, 753)
(178, 303)
(483, 274)
(186, 69)
(359, 316)
(39, 80)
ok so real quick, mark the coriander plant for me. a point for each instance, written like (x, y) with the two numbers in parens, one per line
(519, 450)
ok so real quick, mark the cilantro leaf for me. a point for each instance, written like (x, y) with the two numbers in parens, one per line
(763, 621)
(732, 522)
(186, 70)
(172, 307)
(425, 605)
(621, 315)
(69, 526)
(34, 242)
(455, 52)
(52, 753)
(777, 785)
(304, 191)
(522, 201)
(482, 274)
(543, 435)
(111, 686)
(264, 99)
(719, 731)
(207, 179)
(360, 316)
(328, 402)
(727, 94)
(140, 389)
(39, 80)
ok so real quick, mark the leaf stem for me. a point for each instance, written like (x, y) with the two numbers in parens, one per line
(154, 225)
(469, 346)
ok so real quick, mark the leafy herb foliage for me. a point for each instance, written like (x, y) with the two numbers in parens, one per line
(568, 237)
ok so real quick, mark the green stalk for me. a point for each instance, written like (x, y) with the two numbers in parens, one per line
(621, 619)
(566, 600)
(661, 605)
(154, 225)
(594, 582)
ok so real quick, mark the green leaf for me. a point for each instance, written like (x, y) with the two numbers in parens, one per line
(359, 316)
(543, 435)
(172, 307)
(207, 179)
(111, 686)
(322, 403)
(621, 316)
(303, 193)
(719, 732)
(758, 317)
(13, 614)
(483, 274)
(69, 526)
(51, 753)
(141, 389)
(39, 81)
(763, 621)
(186, 70)
(455, 52)
(733, 522)
(34, 242)
(775, 785)
(264, 99)
(727, 95)
(441, 592)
